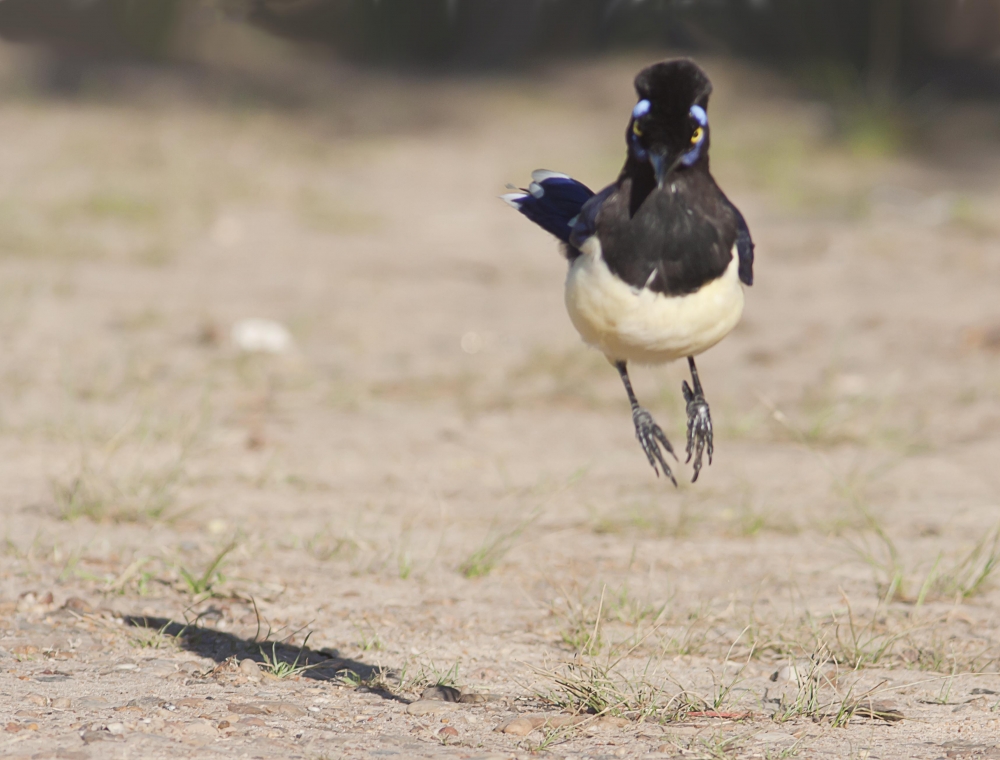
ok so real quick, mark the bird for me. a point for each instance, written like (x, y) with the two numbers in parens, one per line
(659, 258)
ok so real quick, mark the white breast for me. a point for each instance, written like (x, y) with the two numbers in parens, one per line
(632, 324)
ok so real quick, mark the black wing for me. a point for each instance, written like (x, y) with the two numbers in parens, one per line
(744, 245)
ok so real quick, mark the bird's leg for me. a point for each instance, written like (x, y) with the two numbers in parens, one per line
(646, 430)
(699, 421)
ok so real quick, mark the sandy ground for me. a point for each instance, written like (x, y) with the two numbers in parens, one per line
(438, 484)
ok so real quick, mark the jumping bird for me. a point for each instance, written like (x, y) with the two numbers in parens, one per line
(659, 258)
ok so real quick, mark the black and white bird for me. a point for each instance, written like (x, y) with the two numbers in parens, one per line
(659, 258)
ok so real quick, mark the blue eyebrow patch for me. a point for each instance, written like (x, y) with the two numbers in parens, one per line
(698, 114)
(641, 109)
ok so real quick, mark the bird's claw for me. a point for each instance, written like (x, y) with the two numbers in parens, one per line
(650, 437)
(699, 430)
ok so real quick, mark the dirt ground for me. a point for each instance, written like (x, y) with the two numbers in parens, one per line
(435, 483)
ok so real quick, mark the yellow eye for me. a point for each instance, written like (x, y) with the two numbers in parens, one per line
(696, 137)
(635, 129)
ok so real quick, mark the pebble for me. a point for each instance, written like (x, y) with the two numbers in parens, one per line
(448, 733)
(92, 703)
(441, 694)
(785, 674)
(428, 707)
(525, 724)
(62, 703)
(472, 698)
(192, 702)
(261, 336)
(37, 699)
(78, 605)
(245, 709)
(116, 728)
(518, 727)
(611, 722)
(146, 702)
(251, 670)
(283, 708)
(90, 736)
(160, 668)
(199, 728)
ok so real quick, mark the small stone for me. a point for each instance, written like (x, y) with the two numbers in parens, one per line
(518, 727)
(37, 699)
(78, 605)
(251, 670)
(116, 729)
(62, 703)
(199, 728)
(90, 736)
(92, 703)
(428, 707)
(191, 702)
(246, 709)
(223, 724)
(148, 702)
(886, 711)
(559, 721)
(785, 674)
(283, 708)
(448, 733)
(160, 668)
(261, 336)
(472, 698)
(609, 721)
(441, 694)
(13, 727)
(253, 722)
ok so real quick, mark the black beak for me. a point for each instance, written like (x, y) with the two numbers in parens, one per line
(658, 160)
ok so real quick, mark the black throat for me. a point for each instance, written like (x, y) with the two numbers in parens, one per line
(643, 181)
(672, 239)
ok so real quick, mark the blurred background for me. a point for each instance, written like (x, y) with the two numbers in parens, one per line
(886, 46)
(252, 264)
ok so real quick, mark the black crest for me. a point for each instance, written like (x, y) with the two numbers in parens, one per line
(672, 87)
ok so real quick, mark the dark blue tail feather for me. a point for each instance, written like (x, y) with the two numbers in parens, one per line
(552, 201)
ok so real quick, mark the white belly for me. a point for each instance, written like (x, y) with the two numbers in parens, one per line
(630, 324)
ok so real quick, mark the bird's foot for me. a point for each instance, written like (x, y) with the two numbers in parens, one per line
(650, 437)
(699, 433)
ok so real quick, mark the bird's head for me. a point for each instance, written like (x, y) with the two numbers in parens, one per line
(669, 124)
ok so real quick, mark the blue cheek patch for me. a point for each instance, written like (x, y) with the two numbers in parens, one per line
(641, 109)
(692, 155)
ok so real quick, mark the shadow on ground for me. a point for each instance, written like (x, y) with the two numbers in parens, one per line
(226, 648)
